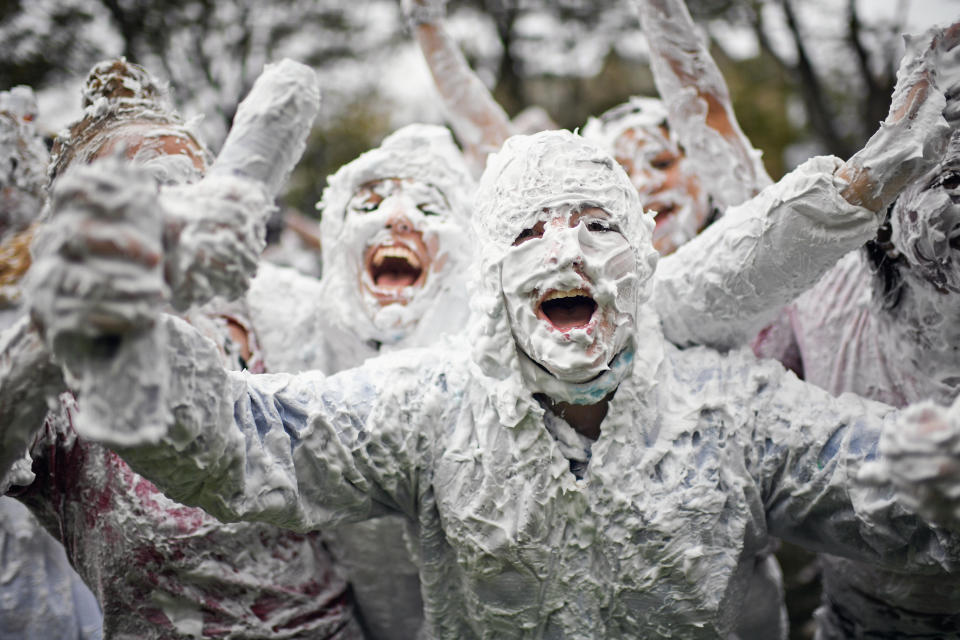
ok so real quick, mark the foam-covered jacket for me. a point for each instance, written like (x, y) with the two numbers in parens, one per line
(160, 570)
(700, 459)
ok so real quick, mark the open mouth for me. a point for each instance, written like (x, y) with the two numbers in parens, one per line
(567, 310)
(663, 210)
(394, 267)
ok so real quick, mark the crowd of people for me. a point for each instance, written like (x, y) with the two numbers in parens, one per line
(546, 385)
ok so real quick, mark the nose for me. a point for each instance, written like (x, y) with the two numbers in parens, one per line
(565, 248)
(399, 223)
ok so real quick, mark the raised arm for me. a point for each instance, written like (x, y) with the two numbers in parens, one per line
(215, 229)
(297, 451)
(478, 121)
(700, 111)
(767, 251)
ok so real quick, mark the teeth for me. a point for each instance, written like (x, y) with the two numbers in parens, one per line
(572, 293)
(395, 252)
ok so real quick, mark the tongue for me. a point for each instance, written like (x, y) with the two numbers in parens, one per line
(569, 313)
(396, 279)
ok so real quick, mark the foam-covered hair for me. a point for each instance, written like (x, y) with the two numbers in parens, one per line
(421, 152)
(116, 92)
(636, 113)
(550, 168)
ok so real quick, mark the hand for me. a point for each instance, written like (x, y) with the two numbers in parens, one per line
(922, 459)
(98, 269)
(215, 229)
(913, 137)
(215, 232)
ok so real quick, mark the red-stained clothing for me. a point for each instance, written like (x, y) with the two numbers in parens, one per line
(163, 571)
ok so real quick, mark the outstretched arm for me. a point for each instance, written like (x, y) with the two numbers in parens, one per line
(765, 252)
(479, 122)
(299, 451)
(829, 481)
(700, 111)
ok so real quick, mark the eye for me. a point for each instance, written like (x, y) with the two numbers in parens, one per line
(663, 162)
(601, 226)
(428, 209)
(536, 231)
(368, 206)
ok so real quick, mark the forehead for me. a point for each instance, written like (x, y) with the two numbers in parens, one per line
(647, 139)
(142, 139)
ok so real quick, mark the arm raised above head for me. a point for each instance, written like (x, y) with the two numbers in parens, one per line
(698, 101)
(764, 253)
(479, 122)
(216, 229)
(913, 137)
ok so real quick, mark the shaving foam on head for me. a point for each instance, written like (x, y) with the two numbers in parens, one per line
(637, 134)
(925, 222)
(546, 172)
(119, 94)
(416, 154)
(636, 113)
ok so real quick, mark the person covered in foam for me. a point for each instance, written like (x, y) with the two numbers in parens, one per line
(41, 596)
(395, 232)
(570, 474)
(161, 570)
(393, 229)
(880, 325)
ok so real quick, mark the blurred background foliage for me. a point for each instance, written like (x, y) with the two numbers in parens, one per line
(807, 76)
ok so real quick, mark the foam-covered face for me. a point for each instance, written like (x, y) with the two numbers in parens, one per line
(170, 155)
(657, 168)
(571, 287)
(396, 229)
(925, 222)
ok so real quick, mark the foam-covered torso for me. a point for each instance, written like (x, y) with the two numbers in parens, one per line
(696, 461)
(848, 343)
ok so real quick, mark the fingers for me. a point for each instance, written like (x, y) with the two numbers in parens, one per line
(91, 237)
(923, 458)
(220, 232)
(97, 268)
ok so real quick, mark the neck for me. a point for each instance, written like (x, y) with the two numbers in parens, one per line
(584, 418)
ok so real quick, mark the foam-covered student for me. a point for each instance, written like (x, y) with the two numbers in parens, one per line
(159, 569)
(397, 248)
